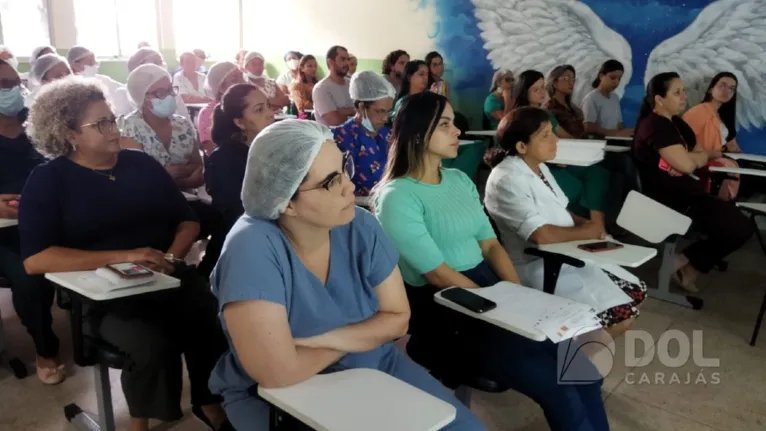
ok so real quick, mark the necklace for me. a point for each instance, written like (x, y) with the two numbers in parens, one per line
(108, 175)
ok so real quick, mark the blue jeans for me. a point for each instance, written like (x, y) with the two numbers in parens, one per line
(524, 365)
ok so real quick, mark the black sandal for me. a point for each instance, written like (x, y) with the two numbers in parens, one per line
(200, 415)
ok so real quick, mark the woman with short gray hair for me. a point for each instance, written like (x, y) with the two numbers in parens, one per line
(95, 205)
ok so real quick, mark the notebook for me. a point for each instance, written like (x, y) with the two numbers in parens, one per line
(104, 280)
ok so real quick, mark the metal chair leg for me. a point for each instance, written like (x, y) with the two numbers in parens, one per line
(86, 421)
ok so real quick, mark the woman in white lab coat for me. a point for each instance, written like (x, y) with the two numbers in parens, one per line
(527, 204)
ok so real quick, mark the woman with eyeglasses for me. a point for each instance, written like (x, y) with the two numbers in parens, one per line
(435, 220)
(560, 86)
(714, 122)
(307, 282)
(498, 102)
(94, 205)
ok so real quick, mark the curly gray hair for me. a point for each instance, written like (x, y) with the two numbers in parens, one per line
(58, 110)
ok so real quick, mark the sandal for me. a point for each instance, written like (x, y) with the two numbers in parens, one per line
(200, 415)
(51, 376)
(678, 278)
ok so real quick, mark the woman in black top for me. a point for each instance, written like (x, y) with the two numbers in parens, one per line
(237, 120)
(94, 205)
(32, 295)
(667, 157)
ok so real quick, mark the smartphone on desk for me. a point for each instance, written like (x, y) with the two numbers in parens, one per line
(130, 271)
(471, 301)
(595, 247)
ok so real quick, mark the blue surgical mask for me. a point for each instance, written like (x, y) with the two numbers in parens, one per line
(367, 124)
(11, 101)
(164, 108)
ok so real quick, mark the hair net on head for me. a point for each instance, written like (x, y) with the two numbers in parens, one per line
(36, 52)
(278, 161)
(141, 79)
(368, 86)
(6, 56)
(44, 64)
(216, 75)
(77, 53)
(251, 55)
(139, 57)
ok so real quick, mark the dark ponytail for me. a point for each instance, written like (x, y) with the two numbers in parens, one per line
(609, 66)
(231, 107)
(657, 86)
(517, 126)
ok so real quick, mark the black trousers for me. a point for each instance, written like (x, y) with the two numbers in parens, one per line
(182, 321)
(210, 225)
(725, 227)
(32, 297)
(622, 179)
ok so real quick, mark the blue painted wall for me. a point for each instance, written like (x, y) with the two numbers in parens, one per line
(643, 23)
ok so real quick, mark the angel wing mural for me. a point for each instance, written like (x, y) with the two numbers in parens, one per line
(542, 34)
(726, 35)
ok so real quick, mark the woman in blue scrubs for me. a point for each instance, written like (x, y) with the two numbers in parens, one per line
(306, 281)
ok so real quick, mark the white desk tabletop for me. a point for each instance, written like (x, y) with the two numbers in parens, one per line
(361, 399)
(8, 222)
(740, 171)
(631, 256)
(84, 283)
(568, 162)
(618, 138)
(508, 315)
(754, 206)
(616, 149)
(469, 142)
(481, 132)
(748, 157)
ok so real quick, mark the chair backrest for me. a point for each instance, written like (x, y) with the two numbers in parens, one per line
(651, 220)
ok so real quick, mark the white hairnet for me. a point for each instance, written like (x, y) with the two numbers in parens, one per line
(77, 53)
(368, 86)
(11, 60)
(141, 79)
(278, 161)
(36, 52)
(140, 56)
(251, 55)
(45, 63)
(216, 75)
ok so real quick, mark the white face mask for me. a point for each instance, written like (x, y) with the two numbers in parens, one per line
(164, 108)
(293, 64)
(90, 71)
(251, 75)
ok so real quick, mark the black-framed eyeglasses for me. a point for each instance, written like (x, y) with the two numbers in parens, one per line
(164, 92)
(104, 125)
(336, 179)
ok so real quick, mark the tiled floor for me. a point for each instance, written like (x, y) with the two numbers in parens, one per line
(636, 398)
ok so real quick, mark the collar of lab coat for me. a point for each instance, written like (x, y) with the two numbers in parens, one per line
(520, 166)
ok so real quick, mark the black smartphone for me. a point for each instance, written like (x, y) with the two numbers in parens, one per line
(469, 300)
(595, 247)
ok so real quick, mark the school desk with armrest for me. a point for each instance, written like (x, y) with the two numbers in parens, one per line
(91, 350)
(756, 210)
(356, 399)
(658, 224)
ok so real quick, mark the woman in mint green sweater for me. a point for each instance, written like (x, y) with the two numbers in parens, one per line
(436, 221)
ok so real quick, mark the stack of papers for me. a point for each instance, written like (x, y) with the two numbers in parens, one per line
(555, 316)
(104, 280)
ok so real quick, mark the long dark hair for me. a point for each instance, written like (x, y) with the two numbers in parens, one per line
(390, 60)
(727, 111)
(555, 74)
(657, 86)
(517, 126)
(524, 82)
(305, 59)
(609, 66)
(410, 69)
(429, 58)
(415, 122)
(232, 105)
